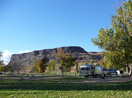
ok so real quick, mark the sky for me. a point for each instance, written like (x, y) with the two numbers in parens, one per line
(28, 25)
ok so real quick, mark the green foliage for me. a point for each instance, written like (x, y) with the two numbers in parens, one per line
(1, 68)
(35, 68)
(65, 60)
(51, 66)
(117, 40)
(70, 61)
(5, 68)
(1, 61)
(81, 63)
(91, 61)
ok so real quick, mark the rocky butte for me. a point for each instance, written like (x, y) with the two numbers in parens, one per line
(81, 55)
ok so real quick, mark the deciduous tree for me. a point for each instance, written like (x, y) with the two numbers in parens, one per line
(51, 66)
(61, 59)
(117, 41)
(1, 61)
(65, 60)
(85, 63)
(91, 61)
(70, 61)
(42, 65)
(35, 68)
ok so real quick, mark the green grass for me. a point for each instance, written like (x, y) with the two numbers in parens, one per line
(52, 89)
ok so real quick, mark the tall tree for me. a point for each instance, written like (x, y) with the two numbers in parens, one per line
(35, 68)
(42, 66)
(51, 66)
(61, 59)
(65, 60)
(70, 61)
(117, 41)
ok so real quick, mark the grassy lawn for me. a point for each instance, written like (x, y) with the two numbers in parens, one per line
(50, 88)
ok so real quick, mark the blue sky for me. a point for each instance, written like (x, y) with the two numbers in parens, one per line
(28, 25)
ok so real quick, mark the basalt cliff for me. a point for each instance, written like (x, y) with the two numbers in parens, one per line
(81, 55)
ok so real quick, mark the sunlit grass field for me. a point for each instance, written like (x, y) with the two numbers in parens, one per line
(52, 88)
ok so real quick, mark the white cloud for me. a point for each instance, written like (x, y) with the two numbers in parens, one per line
(6, 56)
(24, 51)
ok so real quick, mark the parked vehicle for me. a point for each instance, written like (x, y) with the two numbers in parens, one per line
(1, 73)
(91, 70)
(112, 72)
(119, 72)
(106, 72)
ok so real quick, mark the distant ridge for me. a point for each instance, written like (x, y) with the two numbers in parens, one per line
(27, 59)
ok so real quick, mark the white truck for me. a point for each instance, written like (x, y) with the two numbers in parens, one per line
(91, 70)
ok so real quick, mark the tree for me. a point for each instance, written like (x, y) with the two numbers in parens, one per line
(1, 61)
(1, 68)
(42, 65)
(77, 66)
(91, 61)
(85, 63)
(70, 61)
(61, 59)
(35, 68)
(65, 60)
(51, 66)
(102, 63)
(117, 40)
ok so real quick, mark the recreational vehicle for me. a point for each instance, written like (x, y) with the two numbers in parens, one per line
(91, 70)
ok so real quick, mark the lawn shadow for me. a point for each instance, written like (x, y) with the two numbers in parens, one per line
(53, 85)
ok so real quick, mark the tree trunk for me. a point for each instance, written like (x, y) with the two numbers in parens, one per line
(42, 77)
(128, 69)
(65, 70)
(62, 72)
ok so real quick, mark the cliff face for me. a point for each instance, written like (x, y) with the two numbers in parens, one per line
(27, 59)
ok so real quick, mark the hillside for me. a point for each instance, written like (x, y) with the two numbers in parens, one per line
(27, 59)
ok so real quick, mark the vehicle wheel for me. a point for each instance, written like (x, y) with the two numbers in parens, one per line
(86, 76)
(104, 74)
(94, 75)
